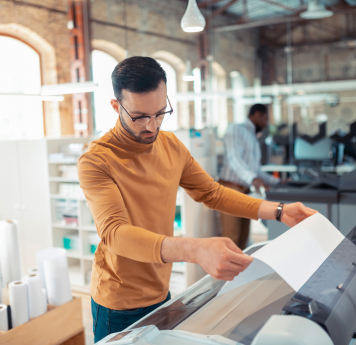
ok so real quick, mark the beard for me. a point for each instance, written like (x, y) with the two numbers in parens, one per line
(139, 137)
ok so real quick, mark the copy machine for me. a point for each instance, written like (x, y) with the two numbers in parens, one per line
(266, 311)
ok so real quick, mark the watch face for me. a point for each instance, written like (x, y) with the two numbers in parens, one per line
(118, 336)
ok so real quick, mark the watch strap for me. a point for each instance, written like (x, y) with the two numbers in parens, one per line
(279, 212)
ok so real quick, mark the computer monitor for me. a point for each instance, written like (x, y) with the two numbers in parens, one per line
(321, 150)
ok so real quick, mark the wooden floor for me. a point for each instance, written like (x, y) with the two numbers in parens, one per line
(87, 318)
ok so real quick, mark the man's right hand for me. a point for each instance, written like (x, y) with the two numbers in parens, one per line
(258, 183)
(218, 256)
(221, 258)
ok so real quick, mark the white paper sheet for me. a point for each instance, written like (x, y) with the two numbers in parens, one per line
(256, 270)
(295, 255)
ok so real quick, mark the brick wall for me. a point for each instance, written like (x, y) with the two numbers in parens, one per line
(157, 28)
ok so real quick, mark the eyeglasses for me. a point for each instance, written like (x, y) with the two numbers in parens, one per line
(143, 121)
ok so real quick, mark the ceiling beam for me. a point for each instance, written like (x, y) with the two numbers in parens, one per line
(271, 2)
(207, 3)
(257, 23)
(274, 21)
(223, 8)
(336, 44)
(281, 33)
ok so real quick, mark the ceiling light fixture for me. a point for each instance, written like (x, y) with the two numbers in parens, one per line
(193, 20)
(316, 10)
(188, 74)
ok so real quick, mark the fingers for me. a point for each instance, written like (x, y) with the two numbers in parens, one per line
(225, 277)
(306, 210)
(238, 259)
(310, 211)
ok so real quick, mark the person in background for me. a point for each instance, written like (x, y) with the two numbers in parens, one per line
(242, 168)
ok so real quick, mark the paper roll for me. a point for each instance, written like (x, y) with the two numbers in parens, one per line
(18, 291)
(9, 252)
(49, 254)
(44, 298)
(35, 294)
(53, 266)
(4, 325)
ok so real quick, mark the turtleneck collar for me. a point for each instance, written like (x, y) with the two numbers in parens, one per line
(127, 141)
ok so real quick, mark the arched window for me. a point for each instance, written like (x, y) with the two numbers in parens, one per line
(172, 123)
(20, 72)
(105, 117)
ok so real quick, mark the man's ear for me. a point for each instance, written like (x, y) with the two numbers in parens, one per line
(115, 105)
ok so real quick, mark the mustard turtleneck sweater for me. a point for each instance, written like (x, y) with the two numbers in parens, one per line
(131, 189)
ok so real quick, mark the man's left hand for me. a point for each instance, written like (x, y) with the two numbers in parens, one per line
(295, 213)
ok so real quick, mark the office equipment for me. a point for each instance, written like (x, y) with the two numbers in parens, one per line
(264, 311)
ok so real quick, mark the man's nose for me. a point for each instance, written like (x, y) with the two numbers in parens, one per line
(152, 125)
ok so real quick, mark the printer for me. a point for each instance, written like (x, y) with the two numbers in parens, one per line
(265, 311)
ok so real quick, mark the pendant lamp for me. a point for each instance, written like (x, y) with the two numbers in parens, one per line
(193, 20)
(316, 10)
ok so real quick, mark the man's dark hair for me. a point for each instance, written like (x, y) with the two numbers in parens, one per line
(138, 74)
(257, 108)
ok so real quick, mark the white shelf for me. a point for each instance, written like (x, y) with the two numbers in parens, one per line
(88, 227)
(61, 226)
(89, 257)
(62, 179)
(64, 163)
(59, 196)
(73, 254)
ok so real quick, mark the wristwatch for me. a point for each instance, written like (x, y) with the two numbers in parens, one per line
(279, 212)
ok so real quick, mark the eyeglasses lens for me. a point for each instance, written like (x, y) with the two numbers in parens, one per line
(159, 119)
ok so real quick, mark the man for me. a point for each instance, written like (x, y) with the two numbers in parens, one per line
(130, 178)
(241, 169)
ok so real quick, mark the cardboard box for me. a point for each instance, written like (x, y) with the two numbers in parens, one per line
(60, 325)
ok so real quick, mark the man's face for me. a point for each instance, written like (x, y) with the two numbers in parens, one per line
(260, 120)
(142, 104)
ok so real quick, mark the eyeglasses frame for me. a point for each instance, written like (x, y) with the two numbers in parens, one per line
(134, 119)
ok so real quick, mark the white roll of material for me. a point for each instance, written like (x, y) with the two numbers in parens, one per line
(44, 297)
(53, 266)
(35, 294)
(18, 294)
(4, 324)
(9, 252)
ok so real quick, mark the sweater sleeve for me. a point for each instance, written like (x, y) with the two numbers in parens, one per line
(108, 209)
(202, 188)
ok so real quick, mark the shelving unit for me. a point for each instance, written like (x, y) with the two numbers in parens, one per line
(79, 260)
